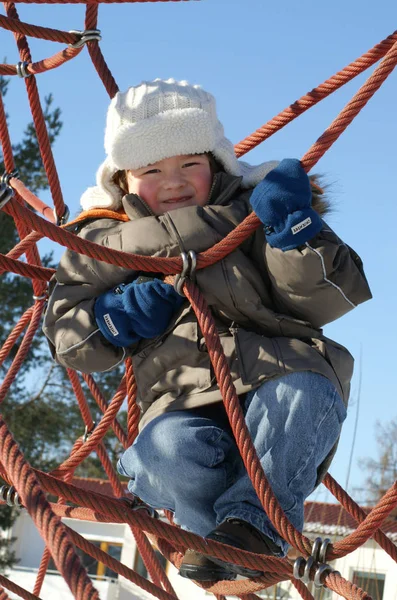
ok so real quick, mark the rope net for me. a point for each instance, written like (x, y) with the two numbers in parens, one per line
(32, 487)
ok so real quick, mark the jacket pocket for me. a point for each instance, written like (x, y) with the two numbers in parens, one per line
(176, 364)
(340, 360)
(257, 356)
(296, 328)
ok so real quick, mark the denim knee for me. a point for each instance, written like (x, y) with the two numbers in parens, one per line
(175, 441)
(183, 463)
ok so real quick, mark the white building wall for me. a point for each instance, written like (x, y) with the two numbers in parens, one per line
(55, 587)
(370, 558)
(28, 546)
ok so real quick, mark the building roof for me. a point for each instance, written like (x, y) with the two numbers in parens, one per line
(103, 486)
(333, 519)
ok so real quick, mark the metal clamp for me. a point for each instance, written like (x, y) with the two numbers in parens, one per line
(317, 559)
(88, 432)
(325, 570)
(9, 494)
(43, 296)
(6, 191)
(189, 263)
(89, 35)
(22, 69)
(136, 504)
(65, 217)
(6, 177)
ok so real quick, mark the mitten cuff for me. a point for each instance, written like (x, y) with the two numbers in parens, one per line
(299, 227)
(112, 319)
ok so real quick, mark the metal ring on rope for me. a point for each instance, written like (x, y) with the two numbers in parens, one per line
(6, 177)
(9, 494)
(88, 432)
(318, 559)
(22, 69)
(136, 505)
(6, 191)
(65, 217)
(43, 296)
(89, 35)
(189, 262)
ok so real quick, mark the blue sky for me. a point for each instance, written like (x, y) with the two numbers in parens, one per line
(256, 58)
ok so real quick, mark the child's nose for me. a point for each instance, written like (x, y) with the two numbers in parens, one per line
(175, 179)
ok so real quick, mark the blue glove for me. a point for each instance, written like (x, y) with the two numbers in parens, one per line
(282, 202)
(135, 310)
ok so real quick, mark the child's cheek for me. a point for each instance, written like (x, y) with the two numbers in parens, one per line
(149, 195)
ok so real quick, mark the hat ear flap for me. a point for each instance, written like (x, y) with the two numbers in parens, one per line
(106, 194)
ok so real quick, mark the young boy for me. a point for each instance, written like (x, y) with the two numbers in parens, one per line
(175, 178)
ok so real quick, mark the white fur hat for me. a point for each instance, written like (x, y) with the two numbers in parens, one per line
(156, 120)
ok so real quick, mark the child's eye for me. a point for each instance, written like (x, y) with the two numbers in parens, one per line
(150, 171)
(190, 164)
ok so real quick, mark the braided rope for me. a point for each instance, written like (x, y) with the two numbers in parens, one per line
(31, 227)
(14, 587)
(49, 525)
(45, 559)
(95, 2)
(43, 33)
(323, 90)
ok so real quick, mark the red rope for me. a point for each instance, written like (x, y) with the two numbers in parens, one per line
(15, 333)
(93, 1)
(14, 587)
(133, 410)
(23, 349)
(98, 60)
(43, 33)
(31, 227)
(320, 92)
(358, 514)
(38, 117)
(103, 405)
(97, 435)
(50, 526)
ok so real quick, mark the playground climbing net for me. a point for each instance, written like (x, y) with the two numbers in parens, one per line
(29, 487)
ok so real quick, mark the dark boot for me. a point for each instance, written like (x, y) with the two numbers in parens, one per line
(199, 567)
(244, 536)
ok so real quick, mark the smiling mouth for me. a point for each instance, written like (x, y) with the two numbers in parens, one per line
(177, 200)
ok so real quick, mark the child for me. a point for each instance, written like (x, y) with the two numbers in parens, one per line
(173, 179)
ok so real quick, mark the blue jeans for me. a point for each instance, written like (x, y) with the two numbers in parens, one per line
(190, 464)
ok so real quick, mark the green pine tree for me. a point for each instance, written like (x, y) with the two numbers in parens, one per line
(41, 410)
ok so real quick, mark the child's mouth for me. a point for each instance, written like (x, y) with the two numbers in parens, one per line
(177, 200)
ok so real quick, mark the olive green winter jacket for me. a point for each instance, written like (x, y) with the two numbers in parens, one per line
(269, 305)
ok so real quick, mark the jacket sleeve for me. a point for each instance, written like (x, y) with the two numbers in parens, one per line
(69, 323)
(318, 282)
(72, 332)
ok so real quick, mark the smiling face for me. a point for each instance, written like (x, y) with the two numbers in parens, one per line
(173, 182)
